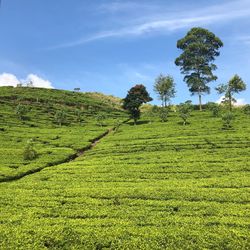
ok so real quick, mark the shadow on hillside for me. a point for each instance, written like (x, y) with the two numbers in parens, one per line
(181, 123)
(138, 123)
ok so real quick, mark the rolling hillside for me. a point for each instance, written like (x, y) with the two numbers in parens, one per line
(54, 144)
(151, 186)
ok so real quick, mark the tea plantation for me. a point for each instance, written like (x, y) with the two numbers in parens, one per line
(150, 186)
(54, 143)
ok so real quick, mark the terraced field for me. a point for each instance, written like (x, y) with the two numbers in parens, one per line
(55, 144)
(151, 186)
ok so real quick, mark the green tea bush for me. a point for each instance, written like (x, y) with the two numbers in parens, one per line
(79, 115)
(21, 111)
(246, 109)
(163, 114)
(185, 110)
(60, 117)
(227, 119)
(29, 152)
(214, 108)
(100, 119)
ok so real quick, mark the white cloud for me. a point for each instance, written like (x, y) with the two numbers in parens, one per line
(157, 22)
(7, 79)
(239, 101)
(39, 82)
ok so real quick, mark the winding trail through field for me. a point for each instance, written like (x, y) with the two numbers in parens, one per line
(69, 159)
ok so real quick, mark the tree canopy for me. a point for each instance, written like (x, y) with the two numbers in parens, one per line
(165, 88)
(235, 85)
(136, 96)
(200, 48)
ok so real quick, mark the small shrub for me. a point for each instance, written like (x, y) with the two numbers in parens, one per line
(246, 109)
(100, 119)
(163, 114)
(185, 110)
(214, 108)
(215, 111)
(60, 117)
(21, 111)
(78, 114)
(227, 119)
(29, 152)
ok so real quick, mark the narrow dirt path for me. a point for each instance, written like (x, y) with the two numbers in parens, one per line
(69, 159)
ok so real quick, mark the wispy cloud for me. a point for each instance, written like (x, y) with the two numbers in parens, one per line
(118, 6)
(244, 39)
(158, 23)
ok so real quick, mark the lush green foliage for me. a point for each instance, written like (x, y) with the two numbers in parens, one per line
(136, 96)
(29, 152)
(61, 117)
(21, 111)
(200, 48)
(165, 88)
(163, 113)
(246, 109)
(53, 144)
(235, 85)
(185, 111)
(227, 119)
(151, 186)
(214, 108)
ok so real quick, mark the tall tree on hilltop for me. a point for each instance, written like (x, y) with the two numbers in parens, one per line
(235, 85)
(165, 88)
(136, 96)
(200, 48)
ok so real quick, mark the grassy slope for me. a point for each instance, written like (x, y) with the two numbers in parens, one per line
(151, 186)
(53, 143)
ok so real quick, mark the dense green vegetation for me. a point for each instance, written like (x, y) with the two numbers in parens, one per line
(150, 186)
(54, 142)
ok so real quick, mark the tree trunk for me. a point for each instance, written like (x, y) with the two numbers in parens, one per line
(230, 102)
(200, 104)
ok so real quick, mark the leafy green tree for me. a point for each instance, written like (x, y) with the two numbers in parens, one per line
(163, 113)
(214, 108)
(246, 109)
(21, 111)
(235, 85)
(185, 111)
(136, 96)
(227, 119)
(164, 87)
(200, 48)
(60, 117)
(29, 152)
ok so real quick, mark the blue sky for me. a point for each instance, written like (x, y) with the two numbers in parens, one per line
(109, 46)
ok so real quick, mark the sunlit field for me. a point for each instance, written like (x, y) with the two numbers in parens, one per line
(150, 186)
